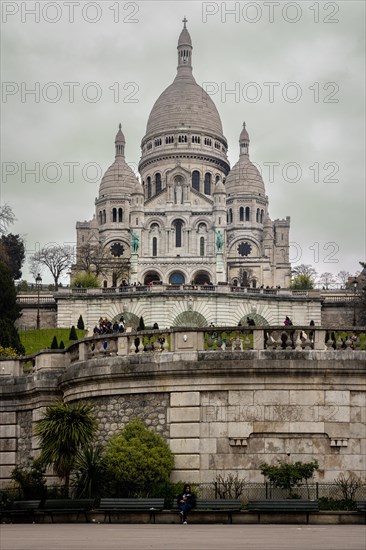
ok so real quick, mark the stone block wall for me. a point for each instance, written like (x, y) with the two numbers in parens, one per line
(221, 412)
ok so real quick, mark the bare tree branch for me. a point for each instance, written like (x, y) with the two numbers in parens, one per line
(56, 258)
(7, 218)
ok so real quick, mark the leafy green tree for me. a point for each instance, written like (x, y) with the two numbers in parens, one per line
(91, 474)
(287, 476)
(85, 280)
(13, 252)
(73, 334)
(139, 458)
(54, 344)
(80, 324)
(9, 311)
(302, 282)
(64, 430)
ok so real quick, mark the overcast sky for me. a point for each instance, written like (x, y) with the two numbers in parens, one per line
(293, 71)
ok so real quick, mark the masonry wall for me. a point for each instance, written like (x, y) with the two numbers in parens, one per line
(220, 411)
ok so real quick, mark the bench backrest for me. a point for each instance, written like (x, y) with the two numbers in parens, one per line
(131, 503)
(284, 505)
(68, 504)
(218, 504)
(25, 504)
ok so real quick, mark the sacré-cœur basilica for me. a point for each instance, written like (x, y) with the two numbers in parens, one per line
(192, 219)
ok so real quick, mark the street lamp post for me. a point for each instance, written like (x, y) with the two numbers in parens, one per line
(355, 284)
(38, 285)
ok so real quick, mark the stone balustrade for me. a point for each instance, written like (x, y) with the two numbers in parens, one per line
(180, 340)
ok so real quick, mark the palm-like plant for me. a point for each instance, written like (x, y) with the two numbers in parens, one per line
(90, 472)
(62, 432)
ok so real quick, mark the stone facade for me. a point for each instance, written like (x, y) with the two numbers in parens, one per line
(222, 411)
(192, 218)
(171, 308)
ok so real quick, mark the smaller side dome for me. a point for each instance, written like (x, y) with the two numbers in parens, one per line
(219, 187)
(119, 178)
(137, 189)
(244, 176)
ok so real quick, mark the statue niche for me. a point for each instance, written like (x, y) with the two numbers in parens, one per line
(178, 190)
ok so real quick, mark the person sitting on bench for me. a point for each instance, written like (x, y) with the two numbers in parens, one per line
(186, 501)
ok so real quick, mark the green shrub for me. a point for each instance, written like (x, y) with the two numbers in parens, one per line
(85, 280)
(30, 479)
(8, 352)
(62, 345)
(73, 335)
(138, 458)
(287, 475)
(54, 344)
(326, 503)
(80, 324)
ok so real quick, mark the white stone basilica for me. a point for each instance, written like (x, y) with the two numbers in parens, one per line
(192, 219)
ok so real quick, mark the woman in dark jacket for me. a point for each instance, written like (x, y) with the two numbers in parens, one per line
(186, 501)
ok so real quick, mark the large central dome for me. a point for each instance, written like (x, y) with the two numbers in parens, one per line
(184, 104)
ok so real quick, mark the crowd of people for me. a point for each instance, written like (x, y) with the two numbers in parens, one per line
(105, 326)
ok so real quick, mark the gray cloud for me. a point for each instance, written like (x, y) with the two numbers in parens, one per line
(141, 56)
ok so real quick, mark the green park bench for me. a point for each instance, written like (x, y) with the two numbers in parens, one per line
(117, 505)
(20, 508)
(283, 506)
(54, 507)
(217, 506)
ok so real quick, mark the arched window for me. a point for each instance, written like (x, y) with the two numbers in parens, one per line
(230, 220)
(100, 217)
(247, 214)
(202, 246)
(257, 215)
(176, 278)
(155, 246)
(178, 233)
(120, 215)
(241, 214)
(196, 180)
(157, 183)
(207, 188)
(149, 187)
(104, 217)
(114, 214)
(262, 214)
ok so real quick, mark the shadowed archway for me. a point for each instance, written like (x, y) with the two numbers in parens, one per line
(190, 319)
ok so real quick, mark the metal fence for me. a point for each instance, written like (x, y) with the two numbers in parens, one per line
(262, 491)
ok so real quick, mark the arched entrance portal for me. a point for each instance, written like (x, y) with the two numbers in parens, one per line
(151, 277)
(190, 319)
(258, 320)
(177, 278)
(201, 278)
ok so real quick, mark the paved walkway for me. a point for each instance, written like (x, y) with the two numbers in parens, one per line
(181, 537)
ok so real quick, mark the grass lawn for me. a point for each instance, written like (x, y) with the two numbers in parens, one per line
(35, 340)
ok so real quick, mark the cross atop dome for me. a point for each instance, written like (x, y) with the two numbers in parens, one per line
(185, 47)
